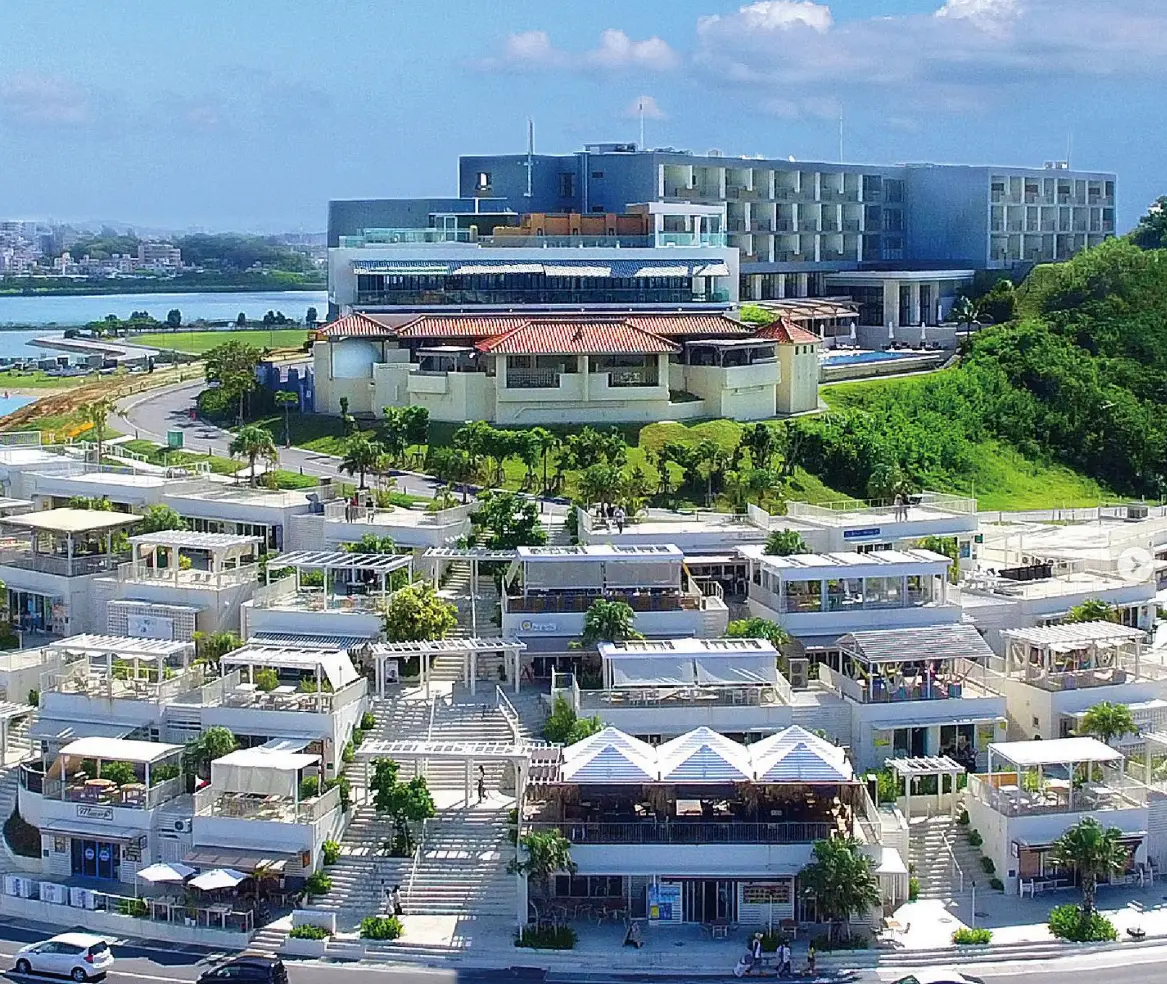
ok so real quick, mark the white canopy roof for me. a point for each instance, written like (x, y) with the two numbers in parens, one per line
(335, 665)
(798, 755)
(127, 647)
(609, 757)
(162, 872)
(217, 878)
(69, 521)
(1056, 751)
(194, 540)
(260, 770)
(704, 755)
(1075, 635)
(119, 749)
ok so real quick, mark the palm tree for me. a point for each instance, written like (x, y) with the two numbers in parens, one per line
(1093, 610)
(759, 441)
(712, 458)
(600, 483)
(1107, 721)
(253, 442)
(609, 621)
(840, 881)
(1091, 850)
(287, 399)
(783, 543)
(545, 853)
(546, 442)
(966, 312)
(360, 456)
(95, 415)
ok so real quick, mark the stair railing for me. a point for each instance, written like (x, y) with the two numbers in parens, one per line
(509, 712)
(957, 873)
(418, 848)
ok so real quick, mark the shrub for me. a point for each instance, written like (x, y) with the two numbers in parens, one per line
(318, 883)
(825, 944)
(345, 789)
(358, 737)
(988, 867)
(160, 773)
(309, 933)
(132, 907)
(974, 838)
(266, 679)
(381, 928)
(962, 818)
(348, 753)
(997, 884)
(34, 697)
(969, 937)
(1068, 922)
(119, 772)
(330, 850)
(309, 787)
(22, 836)
(913, 888)
(771, 942)
(368, 721)
(547, 938)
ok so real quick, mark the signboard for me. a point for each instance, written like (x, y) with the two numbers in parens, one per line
(149, 627)
(860, 534)
(95, 812)
(760, 893)
(530, 625)
(664, 902)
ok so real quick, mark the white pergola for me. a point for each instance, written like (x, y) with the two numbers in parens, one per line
(380, 565)
(9, 712)
(327, 665)
(474, 556)
(223, 548)
(469, 649)
(927, 765)
(1039, 652)
(126, 648)
(1068, 753)
(74, 527)
(470, 753)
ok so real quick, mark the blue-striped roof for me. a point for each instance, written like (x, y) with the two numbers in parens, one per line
(609, 766)
(704, 765)
(803, 763)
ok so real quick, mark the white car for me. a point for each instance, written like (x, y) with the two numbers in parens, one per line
(938, 977)
(80, 956)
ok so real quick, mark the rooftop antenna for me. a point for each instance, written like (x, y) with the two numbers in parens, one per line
(530, 154)
(1069, 148)
(640, 111)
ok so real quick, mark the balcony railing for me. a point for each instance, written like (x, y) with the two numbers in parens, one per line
(691, 832)
(1024, 795)
(296, 701)
(60, 566)
(86, 681)
(603, 701)
(634, 377)
(571, 601)
(258, 806)
(532, 379)
(538, 295)
(140, 572)
(128, 796)
(956, 684)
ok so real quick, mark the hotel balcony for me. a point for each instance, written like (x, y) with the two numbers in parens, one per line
(81, 789)
(681, 831)
(61, 566)
(1029, 795)
(265, 808)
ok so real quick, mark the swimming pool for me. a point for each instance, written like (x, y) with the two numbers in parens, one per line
(856, 358)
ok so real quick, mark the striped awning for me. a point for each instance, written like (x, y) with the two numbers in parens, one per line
(703, 755)
(802, 763)
(609, 765)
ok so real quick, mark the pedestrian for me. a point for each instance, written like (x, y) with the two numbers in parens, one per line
(481, 783)
(784, 959)
(756, 953)
(370, 508)
(633, 936)
(398, 907)
(810, 959)
(620, 516)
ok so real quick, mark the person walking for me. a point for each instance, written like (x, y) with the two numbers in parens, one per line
(810, 959)
(398, 907)
(619, 516)
(756, 953)
(784, 968)
(481, 783)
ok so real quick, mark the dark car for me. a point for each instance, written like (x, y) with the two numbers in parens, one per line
(263, 970)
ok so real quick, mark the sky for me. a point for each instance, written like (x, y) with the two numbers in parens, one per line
(221, 114)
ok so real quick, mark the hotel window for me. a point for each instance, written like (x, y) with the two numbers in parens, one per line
(482, 182)
(596, 175)
(566, 185)
(893, 191)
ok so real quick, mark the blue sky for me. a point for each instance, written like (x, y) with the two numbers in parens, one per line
(251, 115)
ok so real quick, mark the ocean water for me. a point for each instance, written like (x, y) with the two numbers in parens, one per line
(9, 404)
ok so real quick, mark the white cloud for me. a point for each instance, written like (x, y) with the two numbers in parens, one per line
(44, 100)
(616, 52)
(775, 15)
(650, 107)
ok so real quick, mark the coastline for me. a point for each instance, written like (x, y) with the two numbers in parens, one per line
(94, 290)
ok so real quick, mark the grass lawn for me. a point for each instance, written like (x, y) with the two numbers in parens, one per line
(38, 379)
(198, 342)
(156, 454)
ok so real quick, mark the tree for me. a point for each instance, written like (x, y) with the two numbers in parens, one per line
(545, 853)
(547, 442)
(417, 614)
(1151, 232)
(370, 543)
(241, 320)
(286, 399)
(784, 543)
(415, 421)
(745, 485)
(210, 649)
(158, 518)
(967, 312)
(711, 460)
(506, 520)
(95, 414)
(212, 744)
(452, 465)
(758, 628)
(600, 483)
(759, 441)
(1107, 721)
(405, 802)
(359, 456)
(174, 318)
(1091, 850)
(252, 442)
(609, 621)
(1093, 610)
(841, 881)
(232, 365)
(999, 302)
(564, 727)
(310, 318)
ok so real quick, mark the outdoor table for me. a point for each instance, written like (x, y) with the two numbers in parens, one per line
(247, 688)
(133, 792)
(97, 788)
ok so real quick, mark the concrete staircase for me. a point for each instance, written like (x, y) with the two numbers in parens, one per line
(463, 720)
(932, 863)
(269, 938)
(462, 868)
(456, 590)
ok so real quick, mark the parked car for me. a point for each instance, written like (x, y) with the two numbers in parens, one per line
(938, 977)
(250, 968)
(80, 956)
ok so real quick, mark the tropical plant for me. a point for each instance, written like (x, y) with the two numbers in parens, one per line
(1093, 610)
(966, 312)
(406, 803)
(758, 439)
(266, 679)
(158, 518)
(232, 365)
(966, 936)
(212, 744)
(841, 881)
(1151, 232)
(600, 483)
(370, 543)
(758, 628)
(505, 520)
(784, 543)
(417, 614)
(330, 852)
(564, 727)
(211, 648)
(252, 442)
(544, 853)
(317, 883)
(119, 773)
(609, 621)
(359, 455)
(547, 938)
(1068, 922)
(381, 928)
(287, 399)
(1091, 850)
(95, 414)
(1107, 721)
(309, 932)
(546, 441)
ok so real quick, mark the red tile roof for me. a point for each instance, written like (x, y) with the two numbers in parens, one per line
(460, 325)
(689, 324)
(575, 337)
(786, 332)
(355, 325)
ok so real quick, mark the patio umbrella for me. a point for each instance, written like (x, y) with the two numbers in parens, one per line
(923, 332)
(217, 878)
(891, 332)
(162, 872)
(852, 331)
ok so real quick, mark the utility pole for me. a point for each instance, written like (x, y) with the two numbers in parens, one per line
(640, 111)
(530, 154)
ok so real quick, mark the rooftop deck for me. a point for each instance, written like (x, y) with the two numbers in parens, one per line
(926, 506)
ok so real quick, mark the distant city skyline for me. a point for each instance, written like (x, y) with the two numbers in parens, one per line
(220, 116)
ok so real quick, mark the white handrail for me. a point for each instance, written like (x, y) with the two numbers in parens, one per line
(508, 712)
(957, 871)
(416, 861)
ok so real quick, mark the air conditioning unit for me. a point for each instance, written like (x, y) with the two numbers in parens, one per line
(55, 893)
(25, 888)
(1137, 510)
(182, 825)
(12, 884)
(82, 898)
(799, 673)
